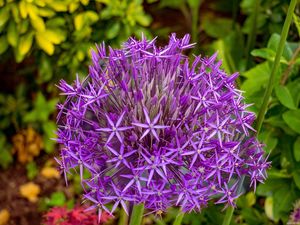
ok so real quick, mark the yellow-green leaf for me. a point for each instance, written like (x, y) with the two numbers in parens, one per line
(25, 43)
(44, 43)
(84, 2)
(38, 23)
(15, 12)
(269, 208)
(18, 56)
(73, 6)
(78, 21)
(12, 34)
(3, 45)
(44, 12)
(4, 16)
(23, 9)
(60, 6)
(53, 36)
(297, 22)
(32, 10)
(23, 27)
(41, 3)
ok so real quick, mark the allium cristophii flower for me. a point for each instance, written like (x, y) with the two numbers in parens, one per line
(295, 215)
(153, 127)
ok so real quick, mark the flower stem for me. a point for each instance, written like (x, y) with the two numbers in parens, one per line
(230, 209)
(178, 218)
(228, 215)
(137, 214)
(252, 34)
(195, 19)
(123, 217)
(268, 92)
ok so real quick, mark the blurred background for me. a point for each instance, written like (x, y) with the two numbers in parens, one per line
(43, 41)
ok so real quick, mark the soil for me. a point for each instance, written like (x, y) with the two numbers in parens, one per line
(23, 212)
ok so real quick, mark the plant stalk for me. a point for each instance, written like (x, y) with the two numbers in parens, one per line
(195, 19)
(137, 214)
(252, 34)
(123, 217)
(178, 218)
(268, 92)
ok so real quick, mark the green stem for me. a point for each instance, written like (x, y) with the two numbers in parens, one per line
(228, 215)
(268, 92)
(137, 214)
(235, 9)
(230, 209)
(123, 217)
(178, 218)
(252, 34)
(195, 15)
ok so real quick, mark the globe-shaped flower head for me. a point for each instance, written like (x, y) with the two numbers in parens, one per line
(153, 127)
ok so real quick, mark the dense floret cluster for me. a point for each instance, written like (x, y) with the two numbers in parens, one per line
(153, 127)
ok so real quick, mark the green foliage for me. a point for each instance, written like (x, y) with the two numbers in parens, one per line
(56, 37)
(32, 170)
(57, 198)
(6, 157)
(67, 29)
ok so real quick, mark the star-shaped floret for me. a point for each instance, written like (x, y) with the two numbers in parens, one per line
(120, 157)
(202, 100)
(153, 164)
(114, 128)
(198, 150)
(229, 195)
(119, 197)
(150, 125)
(219, 128)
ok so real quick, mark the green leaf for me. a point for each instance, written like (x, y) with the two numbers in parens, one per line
(12, 34)
(284, 96)
(297, 22)
(25, 43)
(45, 69)
(257, 78)
(269, 208)
(85, 19)
(143, 19)
(32, 170)
(171, 3)
(283, 200)
(113, 31)
(3, 45)
(268, 54)
(44, 43)
(57, 199)
(267, 138)
(271, 186)
(294, 89)
(5, 154)
(38, 23)
(296, 149)
(42, 109)
(292, 119)
(194, 3)
(273, 44)
(4, 15)
(49, 129)
(217, 27)
(296, 176)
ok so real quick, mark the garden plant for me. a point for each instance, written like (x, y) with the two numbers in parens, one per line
(181, 112)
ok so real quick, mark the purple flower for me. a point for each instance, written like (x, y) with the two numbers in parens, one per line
(295, 215)
(153, 127)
